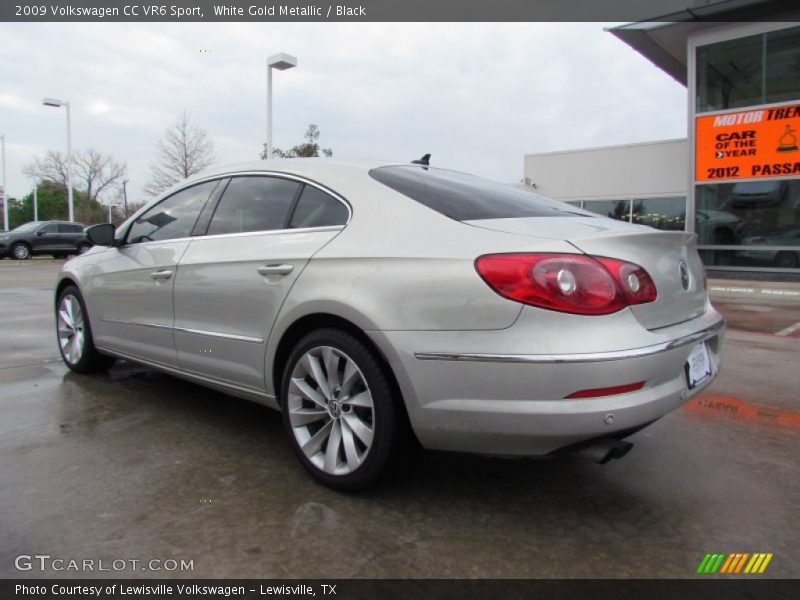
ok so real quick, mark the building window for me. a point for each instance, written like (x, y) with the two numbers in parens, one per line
(613, 209)
(762, 215)
(660, 213)
(758, 69)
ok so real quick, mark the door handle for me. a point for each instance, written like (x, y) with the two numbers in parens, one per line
(157, 275)
(275, 269)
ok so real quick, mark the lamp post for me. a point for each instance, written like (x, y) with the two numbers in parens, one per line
(54, 102)
(125, 196)
(280, 62)
(36, 201)
(5, 191)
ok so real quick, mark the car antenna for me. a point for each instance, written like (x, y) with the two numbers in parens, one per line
(425, 160)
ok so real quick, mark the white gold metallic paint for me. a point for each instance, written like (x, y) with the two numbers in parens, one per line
(404, 275)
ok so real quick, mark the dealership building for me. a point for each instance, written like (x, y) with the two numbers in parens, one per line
(736, 180)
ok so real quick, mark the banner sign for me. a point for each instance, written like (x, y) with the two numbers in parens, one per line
(755, 143)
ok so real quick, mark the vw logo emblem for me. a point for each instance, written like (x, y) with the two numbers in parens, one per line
(686, 278)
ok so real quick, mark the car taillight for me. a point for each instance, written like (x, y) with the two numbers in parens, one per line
(571, 283)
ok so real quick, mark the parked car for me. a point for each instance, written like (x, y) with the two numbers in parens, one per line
(367, 299)
(58, 238)
(759, 194)
(718, 227)
(782, 236)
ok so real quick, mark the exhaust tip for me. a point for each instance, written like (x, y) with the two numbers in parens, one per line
(604, 450)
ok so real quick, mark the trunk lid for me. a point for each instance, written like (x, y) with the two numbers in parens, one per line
(670, 257)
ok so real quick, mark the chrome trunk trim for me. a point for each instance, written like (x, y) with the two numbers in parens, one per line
(685, 340)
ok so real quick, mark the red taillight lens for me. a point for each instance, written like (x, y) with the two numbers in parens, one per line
(634, 281)
(572, 283)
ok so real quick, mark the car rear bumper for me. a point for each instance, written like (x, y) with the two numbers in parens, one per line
(515, 404)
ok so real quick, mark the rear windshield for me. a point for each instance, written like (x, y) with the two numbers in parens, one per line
(466, 197)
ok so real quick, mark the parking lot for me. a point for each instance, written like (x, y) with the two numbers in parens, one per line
(134, 464)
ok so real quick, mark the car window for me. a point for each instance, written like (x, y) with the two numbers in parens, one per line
(27, 226)
(67, 228)
(173, 217)
(317, 209)
(466, 197)
(253, 204)
(49, 228)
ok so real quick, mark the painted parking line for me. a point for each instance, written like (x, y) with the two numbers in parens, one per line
(739, 410)
(789, 330)
(748, 291)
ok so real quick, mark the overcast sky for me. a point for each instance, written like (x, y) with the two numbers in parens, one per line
(476, 96)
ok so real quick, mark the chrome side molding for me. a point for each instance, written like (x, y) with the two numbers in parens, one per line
(685, 340)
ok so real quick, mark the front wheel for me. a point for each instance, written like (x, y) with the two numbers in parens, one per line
(75, 335)
(21, 251)
(342, 413)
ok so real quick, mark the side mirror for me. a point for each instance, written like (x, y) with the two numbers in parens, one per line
(101, 235)
(40, 233)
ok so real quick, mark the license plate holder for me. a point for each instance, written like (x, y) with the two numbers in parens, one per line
(698, 365)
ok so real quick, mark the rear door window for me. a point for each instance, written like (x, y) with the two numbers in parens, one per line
(318, 209)
(67, 228)
(466, 197)
(254, 204)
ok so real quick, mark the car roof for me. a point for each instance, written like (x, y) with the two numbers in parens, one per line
(311, 167)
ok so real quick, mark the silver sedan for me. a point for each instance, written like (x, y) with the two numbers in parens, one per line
(376, 305)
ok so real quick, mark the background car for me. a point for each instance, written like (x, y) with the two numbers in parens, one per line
(780, 236)
(370, 302)
(57, 238)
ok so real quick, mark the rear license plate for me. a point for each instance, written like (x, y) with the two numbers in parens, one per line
(698, 365)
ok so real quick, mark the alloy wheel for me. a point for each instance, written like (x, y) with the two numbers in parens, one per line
(21, 252)
(71, 336)
(330, 410)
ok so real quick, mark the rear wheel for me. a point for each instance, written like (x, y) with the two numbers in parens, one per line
(21, 251)
(75, 335)
(343, 416)
(786, 260)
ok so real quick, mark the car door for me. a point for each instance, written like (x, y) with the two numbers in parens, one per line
(131, 295)
(69, 234)
(46, 238)
(232, 282)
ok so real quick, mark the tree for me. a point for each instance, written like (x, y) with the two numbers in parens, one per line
(184, 151)
(308, 149)
(51, 202)
(92, 171)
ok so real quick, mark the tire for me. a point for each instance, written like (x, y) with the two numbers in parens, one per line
(21, 251)
(785, 260)
(724, 237)
(361, 411)
(74, 334)
(83, 248)
(59, 255)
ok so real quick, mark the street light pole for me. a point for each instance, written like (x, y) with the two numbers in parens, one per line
(281, 62)
(54, 102)
(5, 190)
(36, 201)
(125, 196)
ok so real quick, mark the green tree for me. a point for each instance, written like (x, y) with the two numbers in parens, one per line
(52, 205)
(309, 148)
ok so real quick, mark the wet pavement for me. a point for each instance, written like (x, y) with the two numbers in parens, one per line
(137, 465)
